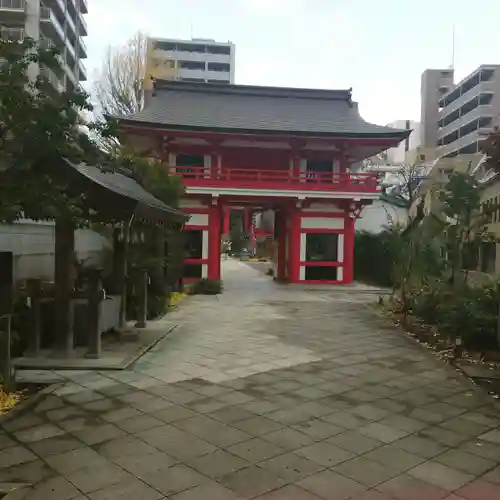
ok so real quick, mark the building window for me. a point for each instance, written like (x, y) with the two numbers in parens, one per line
(218, 81)
(320, 273)
(198, 80)
(189, 47)
(221, 67)
(219, 49)
(165, 45)
(322, 247)
(192, 65)
(187, 164)
(193, 244)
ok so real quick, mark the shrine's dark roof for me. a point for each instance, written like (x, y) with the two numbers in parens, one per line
(250, 109)
(116, 195)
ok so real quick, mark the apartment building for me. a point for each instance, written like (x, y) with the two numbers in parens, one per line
(196, 60)
(457, 117)
(55, 22)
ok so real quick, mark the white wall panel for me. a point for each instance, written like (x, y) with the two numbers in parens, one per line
(322, 223)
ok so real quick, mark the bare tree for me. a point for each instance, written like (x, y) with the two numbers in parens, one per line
(119, 83)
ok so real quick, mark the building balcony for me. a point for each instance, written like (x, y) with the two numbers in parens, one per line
(278, 180)
(481, 88)
(12, 11)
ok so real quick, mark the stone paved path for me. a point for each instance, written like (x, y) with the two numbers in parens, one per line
(267, 392)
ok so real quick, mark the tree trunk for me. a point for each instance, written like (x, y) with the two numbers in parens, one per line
(64, 280)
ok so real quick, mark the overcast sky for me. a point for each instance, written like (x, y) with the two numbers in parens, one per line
(377, 47)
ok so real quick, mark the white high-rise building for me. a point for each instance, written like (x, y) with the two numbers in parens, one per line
(196, 60)
(398, 155)
(56, 22)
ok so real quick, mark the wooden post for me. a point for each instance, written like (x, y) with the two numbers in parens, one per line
(5, 361)
(64, 278)
(95, 296)
(142, 312)
(35, 317)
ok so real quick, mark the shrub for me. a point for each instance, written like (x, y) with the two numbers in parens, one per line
(208, 287)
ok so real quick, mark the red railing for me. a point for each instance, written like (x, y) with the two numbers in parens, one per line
(278, 179)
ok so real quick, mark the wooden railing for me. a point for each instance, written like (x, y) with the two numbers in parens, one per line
(278, 179)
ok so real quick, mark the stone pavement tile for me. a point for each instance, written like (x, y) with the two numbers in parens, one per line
(98, 434)
(325, 454)
(121, 446)
(120, 414)
(260, 406)
(207, 491)
(393, 406)
(54, 488)
(174, 479)
(115, 389)
(65, 412)
(366, 471)
(173, 413)
(481, 418)
(55, 445)
(102, 405)
(464, 426)
(395, 458)
(212, 431)
(207, 405)
(132, 489)
(255, 450)
(329, 485)
(235, 397)
(493, 476)
(6, 441)
(483, 449)
(79, 423)
(230, 414)
(443, 436)
(355, 442)
(288, 439)
(346, 420)
(403, 423)
(466, 462)
(67, 462)
(23, 422)
(406, 487)
(370, 412)
(427, 416)
(468, 399)
(257, 425)
(83, 397)
(290, 492)
(491, 436)
(382, 432)
(440, 475)
(14, 456)
(217, 463)
(446, 409)
(31, 472)
(141, 423)
(38, 433)
(479, 490)
(318, 429)
(141, 464)
(290, 416)
(420, 446)
(291, 466)
(372, 495)
(50, 402)
(252, 481)
(94, 478)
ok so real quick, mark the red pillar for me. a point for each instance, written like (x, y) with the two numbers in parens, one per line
(348, 250)
(214, 235)
(246, 220)
(280, 221)
(296, 167)
(226, 226)
(294, 245)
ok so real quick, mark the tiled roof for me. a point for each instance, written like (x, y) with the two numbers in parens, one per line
(240, 108)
